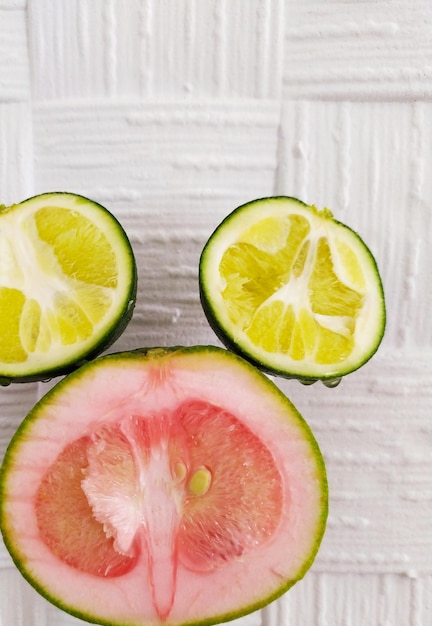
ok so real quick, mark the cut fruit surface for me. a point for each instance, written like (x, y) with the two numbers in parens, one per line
(292, 290)
(67, 284)
(172, 487)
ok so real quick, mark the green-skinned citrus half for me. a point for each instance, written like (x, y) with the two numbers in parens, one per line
(171, 487)
(67, 284)
(292, 290)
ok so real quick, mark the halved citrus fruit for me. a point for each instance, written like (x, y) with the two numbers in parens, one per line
(67, 284)
(292, 290)
(173, 487)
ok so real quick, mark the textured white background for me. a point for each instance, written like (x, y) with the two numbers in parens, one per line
(172, 113)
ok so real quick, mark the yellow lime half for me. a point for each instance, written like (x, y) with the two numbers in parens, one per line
(293, 290)
(67, 284)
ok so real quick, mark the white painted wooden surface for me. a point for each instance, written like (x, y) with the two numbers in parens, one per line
(172, 113)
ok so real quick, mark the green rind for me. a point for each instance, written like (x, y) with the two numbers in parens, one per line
(229, 341)
(119, 323)
(149, 354)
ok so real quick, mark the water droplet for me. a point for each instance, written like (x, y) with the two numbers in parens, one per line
(307, 381)
(332, 382)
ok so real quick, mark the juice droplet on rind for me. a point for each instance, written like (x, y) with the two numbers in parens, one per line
(332, 382)
(148, 492)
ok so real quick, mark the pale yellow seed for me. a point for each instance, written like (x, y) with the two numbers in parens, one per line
(180, 471)
(200, 481)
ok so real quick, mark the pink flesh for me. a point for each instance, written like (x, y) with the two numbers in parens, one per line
(127, 489)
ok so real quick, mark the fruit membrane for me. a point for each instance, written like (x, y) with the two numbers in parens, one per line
(165, 486)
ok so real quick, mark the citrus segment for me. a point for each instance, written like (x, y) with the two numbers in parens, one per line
(67, 284)
(81, 248)
(240, 476)
(292, 290)
(66, 521)
(328, 295)
(348, 266)
(12, 302)
(30, 324)
(151, 488)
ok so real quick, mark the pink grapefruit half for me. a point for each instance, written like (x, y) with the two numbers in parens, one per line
(167, 487)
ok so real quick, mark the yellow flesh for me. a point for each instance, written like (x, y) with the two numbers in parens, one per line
(294, 287)
(57, 282)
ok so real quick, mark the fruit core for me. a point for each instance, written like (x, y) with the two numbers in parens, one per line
(192, 487)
